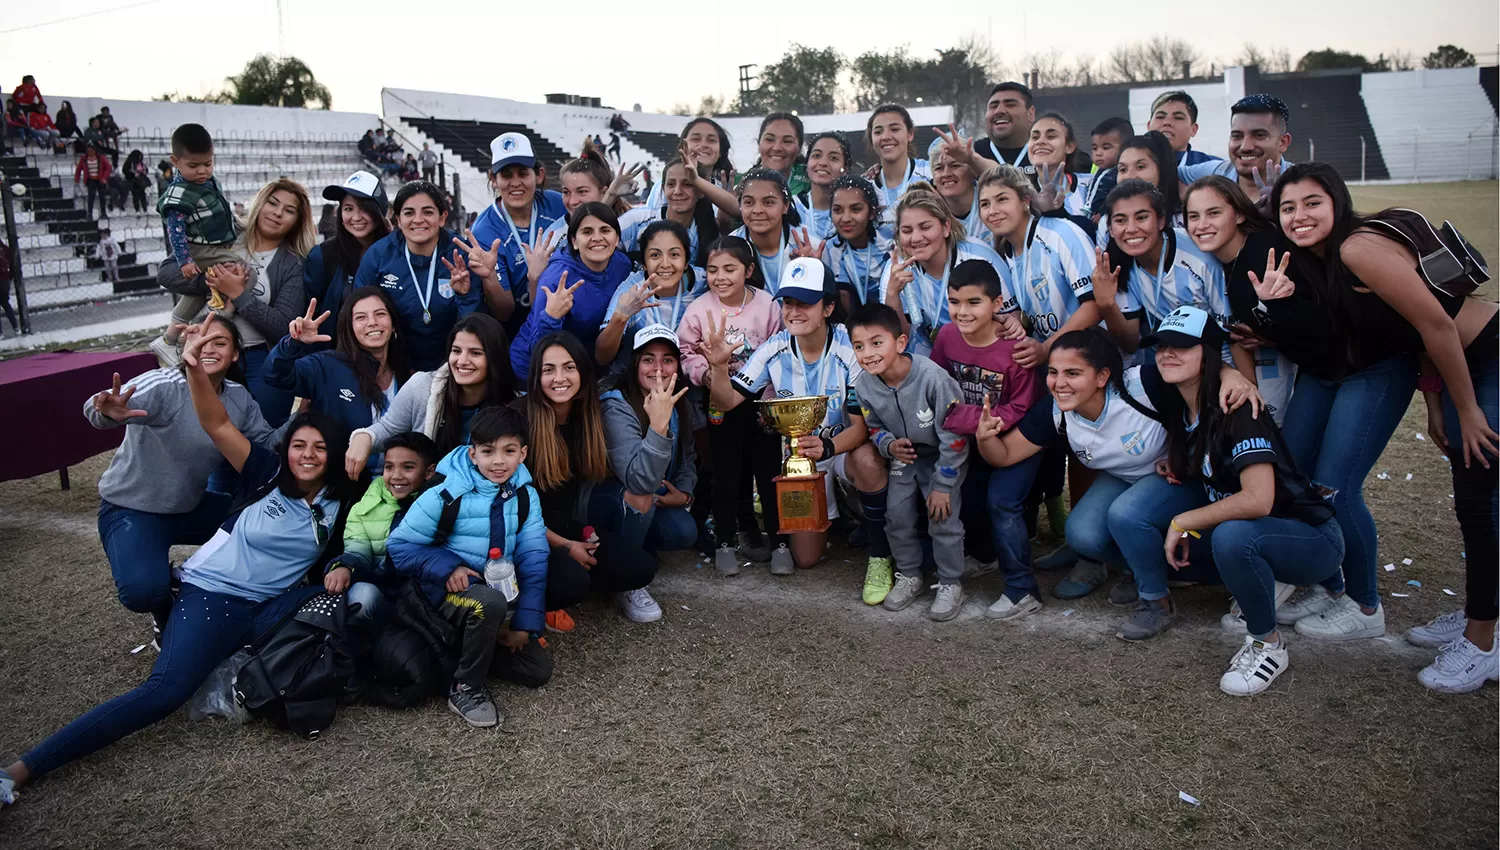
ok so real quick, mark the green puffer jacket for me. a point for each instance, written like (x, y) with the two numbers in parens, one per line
(366, 529)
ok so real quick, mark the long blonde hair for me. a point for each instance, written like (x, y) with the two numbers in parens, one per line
(922, 195)
(304, 232)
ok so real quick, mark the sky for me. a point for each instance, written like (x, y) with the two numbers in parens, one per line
(110, 48)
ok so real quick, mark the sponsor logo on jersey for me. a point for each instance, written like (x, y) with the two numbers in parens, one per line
(346, 394)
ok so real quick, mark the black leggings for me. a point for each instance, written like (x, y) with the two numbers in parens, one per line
(742, 452)
(621, 566)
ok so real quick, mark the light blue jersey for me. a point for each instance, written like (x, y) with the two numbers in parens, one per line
(1053, 276)
(1183, 275)
(819, 223)
(973, 227)
(670, 309)
(1186, 174)
(924, 301)
(783, 366)
(858, 270)
(916, 169)
(771, 265)
(635, 221)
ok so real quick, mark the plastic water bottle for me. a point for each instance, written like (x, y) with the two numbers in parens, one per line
(500, 574)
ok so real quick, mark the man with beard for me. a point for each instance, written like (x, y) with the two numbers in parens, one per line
(1258, 139)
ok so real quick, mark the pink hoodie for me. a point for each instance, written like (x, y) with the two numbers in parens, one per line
(749, 328)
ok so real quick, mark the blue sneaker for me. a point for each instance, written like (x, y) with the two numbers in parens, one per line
(8, 793)
(1084, 579)
(1062, 558)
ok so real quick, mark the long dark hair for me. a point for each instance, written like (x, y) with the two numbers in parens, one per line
(236, 370)
(894, 109)
(597, 210)
(857, 183)
(723, 164)
(705, 217)
(792, 119)
(499, 382)
(1345, 222)
(635, 394)
(550, 458)
(1185, 449)
(741, 250)
(366, 368)
(343, 250)
(340, 487)
(676, 231)
(1160, 150)
(440, 199)
(1097, 350)
(792, 217)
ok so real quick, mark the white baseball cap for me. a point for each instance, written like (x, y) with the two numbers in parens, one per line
(360, 183)
(652, 333)
(509, 149)
(806, 280)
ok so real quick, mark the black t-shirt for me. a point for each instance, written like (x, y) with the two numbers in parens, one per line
(1302, 325)
(1241, 441)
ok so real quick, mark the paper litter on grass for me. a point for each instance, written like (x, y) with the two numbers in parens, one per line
(1408, 476)
(1414, 583)
(1382, 476)
(1069, 612)
(138, 649)
(1390, 568)
(1449, 592)
(1401, 595)
(1420, 437)
(1406, 561)
(1188, 798)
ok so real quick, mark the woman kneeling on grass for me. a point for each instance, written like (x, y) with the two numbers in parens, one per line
(1267, 526)
(235, 588)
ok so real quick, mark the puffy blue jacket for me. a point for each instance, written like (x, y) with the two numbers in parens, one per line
(384, 265)
(546, 208)
(327, 380)
(590, 303)
(488, 513)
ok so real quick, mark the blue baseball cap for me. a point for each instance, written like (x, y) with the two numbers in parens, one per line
(807, 280)
(1185, 327)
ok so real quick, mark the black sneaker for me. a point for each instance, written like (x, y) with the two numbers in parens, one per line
(1125, 592)
(753, 546)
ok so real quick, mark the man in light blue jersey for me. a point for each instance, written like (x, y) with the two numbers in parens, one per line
(1258, 139)
(1174, 114)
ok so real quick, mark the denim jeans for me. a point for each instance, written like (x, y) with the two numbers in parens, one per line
(375, 608)
(657, 530)
(997, 497)
(1336, 431)
(1474, 495)
(1088, 522)
(1254, 554)
(1138, 520)
(204, 629)
(136, 544)
(275, 405)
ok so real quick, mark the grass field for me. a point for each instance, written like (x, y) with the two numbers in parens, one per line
(766, 713)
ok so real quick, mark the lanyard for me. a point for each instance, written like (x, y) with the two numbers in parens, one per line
(676, 302)
(860, 282)
(1025, 150)
(812, 381)
(1088, 200)
(1161, 269)
(425, 298)
(891, 196)
(531, 229)
(938, 292)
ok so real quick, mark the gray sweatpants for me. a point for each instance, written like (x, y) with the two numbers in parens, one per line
(906, 495)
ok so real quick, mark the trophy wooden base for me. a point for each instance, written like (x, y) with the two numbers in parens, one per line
(802, 503)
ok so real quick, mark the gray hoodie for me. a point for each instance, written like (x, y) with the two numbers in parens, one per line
(642, 458)
(916, 410)
(164, 463)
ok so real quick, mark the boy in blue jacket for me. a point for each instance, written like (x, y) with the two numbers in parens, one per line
(489, 483)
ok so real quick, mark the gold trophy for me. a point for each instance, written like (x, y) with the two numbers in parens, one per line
(800, 494)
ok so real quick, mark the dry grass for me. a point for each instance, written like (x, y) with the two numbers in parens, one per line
(784, 714)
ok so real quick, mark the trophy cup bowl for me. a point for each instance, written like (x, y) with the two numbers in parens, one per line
(795, 417)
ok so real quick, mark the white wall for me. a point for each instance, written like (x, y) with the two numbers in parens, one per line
(1213, 99)
(157, 119)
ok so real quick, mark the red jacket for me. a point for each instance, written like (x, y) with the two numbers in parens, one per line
(27, 95)
(41, 121)
(95, 168)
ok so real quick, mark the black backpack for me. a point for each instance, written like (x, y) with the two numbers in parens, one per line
(297, 670)
(1445, 259)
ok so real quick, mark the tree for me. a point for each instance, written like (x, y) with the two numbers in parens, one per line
(179, 97)
(269, 81)
(885, 78)
(806, 79)
(1399, 60)
(1053, 72)
(1328, 58)
(1449, 56)
(1277, 60)
(1158, 58)
(960, 77)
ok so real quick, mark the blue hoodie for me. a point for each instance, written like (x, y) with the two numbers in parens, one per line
(546, 209)
(590, 303)
(384, 265)
(487, 514)
(327, 380)
(330, 292)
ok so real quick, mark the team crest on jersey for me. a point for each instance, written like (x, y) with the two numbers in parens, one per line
(1133, 443)
(1040, 288)
(445, 289)
(346, 394)
(390, 281)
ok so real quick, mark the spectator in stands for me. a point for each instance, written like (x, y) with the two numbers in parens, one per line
(1258, 140)
(262, 289)
(1174, 114)
(119, 190)
(111, 133)
(367, 147)
(108, 253)
(355, 382)
(431, 294)
(67, 121)
(518, 219)
(27, 96)
(328, 225)
(358, 221)
(293, 501)
(94, 136)
(429, 161)
(5, 284)
(92, 172)
(598, 142)
(614, 146)
(576, 288)
(200, 230)
(389, 144)
(410, 170)
(43, 130)
(16, 125)
(163, 175)
(139, 178)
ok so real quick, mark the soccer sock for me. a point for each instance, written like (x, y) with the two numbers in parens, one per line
(873, 506)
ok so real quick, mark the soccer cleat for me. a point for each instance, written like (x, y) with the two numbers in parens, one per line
(878, 578)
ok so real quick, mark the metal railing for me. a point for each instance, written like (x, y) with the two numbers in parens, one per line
(1423, 155)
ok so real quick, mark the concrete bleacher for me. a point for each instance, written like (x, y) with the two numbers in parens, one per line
(1432, 124)
(1329, 121)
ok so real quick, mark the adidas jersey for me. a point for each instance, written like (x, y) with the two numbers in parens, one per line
(635, 221)
(1053, 276)
(916, 169)
(770, 265)
(859, 270)
(1186, 174)
(924, 301)
(1184, 275)
(973, 227)
(1123, 441)
(780, 364)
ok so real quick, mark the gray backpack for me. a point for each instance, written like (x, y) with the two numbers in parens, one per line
(1445, 259)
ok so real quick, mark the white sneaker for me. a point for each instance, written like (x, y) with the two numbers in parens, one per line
(1461, 667)
(1004, 609)
(8, 792)
(948, 602)
(1306, 603)
(907, 587)
(1443, 629)
(638, 606)
(165, 352)
(1253, 668)
(1343, 621)
(1234, 621)
(973, 567)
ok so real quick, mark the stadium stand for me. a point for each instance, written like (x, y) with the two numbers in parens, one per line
(1329, 121)
(470, 141)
